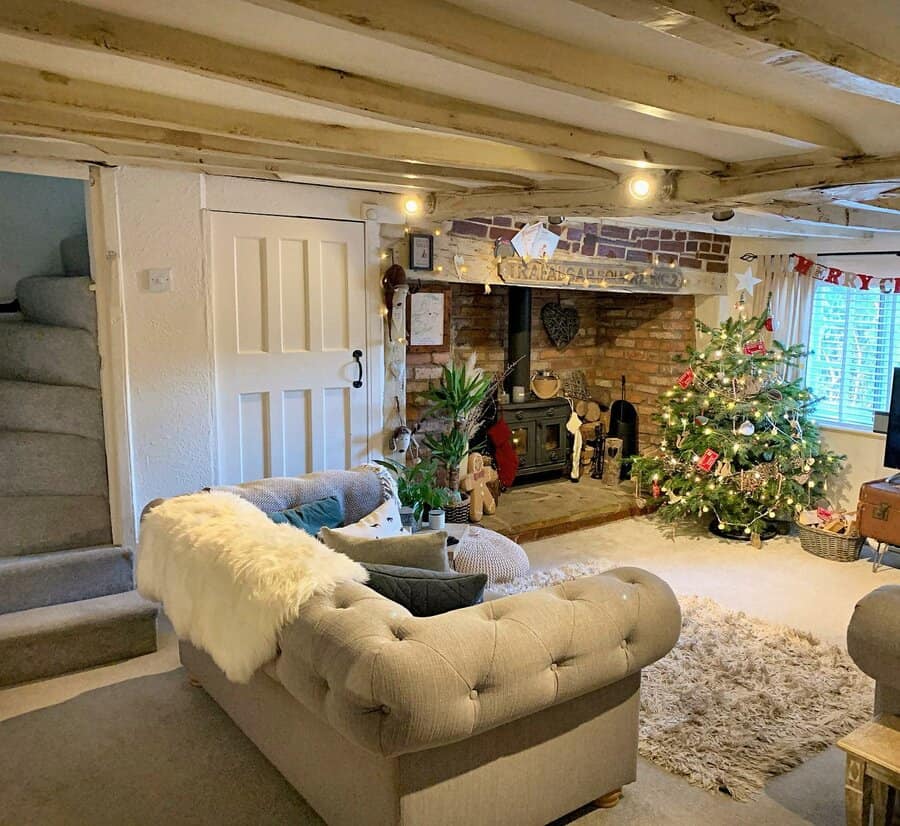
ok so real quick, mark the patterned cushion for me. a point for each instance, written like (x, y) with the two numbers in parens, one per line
(426, 593)
(382, 522)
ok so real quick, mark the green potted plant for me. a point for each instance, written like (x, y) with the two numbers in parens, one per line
(458, 397)
(417, 487)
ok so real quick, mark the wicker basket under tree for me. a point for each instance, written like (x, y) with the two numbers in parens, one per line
(838, 547)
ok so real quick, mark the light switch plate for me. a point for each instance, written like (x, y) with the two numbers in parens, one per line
(159, 281)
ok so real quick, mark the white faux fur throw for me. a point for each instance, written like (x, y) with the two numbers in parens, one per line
(229, 578)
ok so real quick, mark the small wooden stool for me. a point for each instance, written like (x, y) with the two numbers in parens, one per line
(873, 771)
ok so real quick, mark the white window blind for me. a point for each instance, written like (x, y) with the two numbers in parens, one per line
(854, 347)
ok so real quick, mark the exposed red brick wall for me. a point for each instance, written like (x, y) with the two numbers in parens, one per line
(630, 334)
(694, 250)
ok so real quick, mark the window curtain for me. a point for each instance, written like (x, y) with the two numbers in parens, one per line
(792, 302)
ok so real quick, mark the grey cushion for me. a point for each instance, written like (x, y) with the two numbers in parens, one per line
(422, 550)
(426, 593)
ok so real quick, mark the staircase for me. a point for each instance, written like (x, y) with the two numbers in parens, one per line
(67, 598)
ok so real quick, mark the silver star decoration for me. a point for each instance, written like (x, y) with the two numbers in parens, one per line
(747, 280)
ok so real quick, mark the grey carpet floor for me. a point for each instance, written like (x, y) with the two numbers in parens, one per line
(154, 751)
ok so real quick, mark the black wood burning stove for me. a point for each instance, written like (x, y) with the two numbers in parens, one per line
(538, 426)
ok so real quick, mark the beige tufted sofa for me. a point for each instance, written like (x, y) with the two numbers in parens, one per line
(516, 711)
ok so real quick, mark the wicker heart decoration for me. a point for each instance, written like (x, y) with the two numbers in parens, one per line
(561, 323)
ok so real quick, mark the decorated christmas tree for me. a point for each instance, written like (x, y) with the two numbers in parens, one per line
(738, 445)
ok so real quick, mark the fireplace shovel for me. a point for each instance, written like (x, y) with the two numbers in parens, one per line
(623, 424)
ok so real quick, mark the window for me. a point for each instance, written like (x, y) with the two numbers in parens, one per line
(854, 348)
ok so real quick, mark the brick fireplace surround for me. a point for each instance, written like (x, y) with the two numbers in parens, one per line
(631, 335)
(635, 335)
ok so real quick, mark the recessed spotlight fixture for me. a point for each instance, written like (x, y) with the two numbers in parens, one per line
(555, 220)
(640, 187)
(723, 215)
(412, 205)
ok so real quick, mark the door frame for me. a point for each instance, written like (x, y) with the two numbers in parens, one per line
(101, 214)
(317, 203)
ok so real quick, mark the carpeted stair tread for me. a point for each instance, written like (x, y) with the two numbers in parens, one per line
(45, 642)
(51, 464)
(61, 300)
(47, 354)
(36, 524)
(40, 580)
(50, 408)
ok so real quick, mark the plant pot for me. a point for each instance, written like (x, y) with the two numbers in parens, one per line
(458, 513)
(436, 519)
(408, 518)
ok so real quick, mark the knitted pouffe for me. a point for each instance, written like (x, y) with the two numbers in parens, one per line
(481, 551)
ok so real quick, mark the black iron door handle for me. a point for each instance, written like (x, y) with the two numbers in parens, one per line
(357, 357)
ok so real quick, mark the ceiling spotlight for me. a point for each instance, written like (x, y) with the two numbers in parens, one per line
(555, 220)
(412, 205)
(639, 187)
(723, 215)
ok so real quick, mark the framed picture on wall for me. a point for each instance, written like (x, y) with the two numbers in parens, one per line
(421, 251)
(428, 320)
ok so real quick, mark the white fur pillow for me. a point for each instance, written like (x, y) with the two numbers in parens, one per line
(382, 522)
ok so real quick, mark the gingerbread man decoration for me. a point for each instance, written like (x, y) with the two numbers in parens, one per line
(481, 500)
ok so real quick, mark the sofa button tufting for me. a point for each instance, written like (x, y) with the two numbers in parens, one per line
(385, 710)
(624, 643)
(473, 694)
(554, 666)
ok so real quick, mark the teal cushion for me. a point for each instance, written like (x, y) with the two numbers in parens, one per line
(426, 593)
(313, 516)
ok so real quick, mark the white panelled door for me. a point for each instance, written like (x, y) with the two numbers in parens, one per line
(290, 344)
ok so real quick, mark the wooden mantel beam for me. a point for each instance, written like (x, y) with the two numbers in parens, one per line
(84, 27)
(69, 94)
(789, 39)
(449, 31)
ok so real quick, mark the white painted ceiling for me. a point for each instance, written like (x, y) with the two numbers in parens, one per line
(873, 124)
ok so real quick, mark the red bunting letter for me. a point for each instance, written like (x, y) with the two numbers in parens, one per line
(865, 279)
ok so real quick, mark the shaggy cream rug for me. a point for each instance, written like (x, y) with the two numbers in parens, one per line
(738, 700)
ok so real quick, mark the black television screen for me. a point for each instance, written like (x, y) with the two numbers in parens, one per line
(892, 447)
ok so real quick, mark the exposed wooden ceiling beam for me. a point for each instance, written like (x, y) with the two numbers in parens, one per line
(19, 83)
(84, 27)
(833, 215)
(745, 185)
(441, 28)
(91, 148)
(59, 122)
(25, 151)
(789, 40)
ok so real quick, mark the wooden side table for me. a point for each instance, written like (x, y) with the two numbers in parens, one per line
(873, 771)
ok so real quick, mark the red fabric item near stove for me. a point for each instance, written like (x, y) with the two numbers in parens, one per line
(505, 455)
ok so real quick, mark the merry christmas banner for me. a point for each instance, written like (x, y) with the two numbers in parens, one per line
(844, 278)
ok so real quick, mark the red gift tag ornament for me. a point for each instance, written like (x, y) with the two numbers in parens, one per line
(754, 348)
(707, 460)
(686, 379)
(770, 324)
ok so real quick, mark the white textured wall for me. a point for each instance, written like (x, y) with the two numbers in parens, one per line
(171, 383)
(169, 372)
(36, 213)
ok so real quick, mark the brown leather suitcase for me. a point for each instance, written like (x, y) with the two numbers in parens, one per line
(878, 513)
